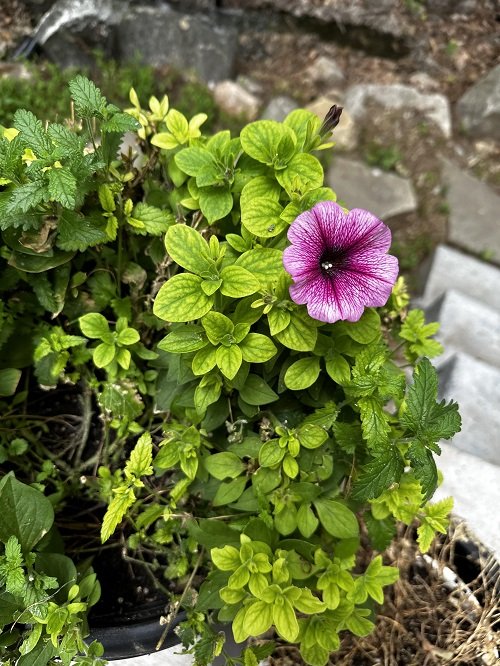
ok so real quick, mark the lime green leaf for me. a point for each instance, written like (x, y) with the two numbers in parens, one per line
(303, 173)
(238, 282)
(193, 160)
(217, 326)
(224, 465)
(435, 519)
(417, 333)
(257, 348)
(285, 621)
(301, 333)
(189, 249)
(177, 124)
(215, 203)
(278, 320)
(207, 393)
(302, 374)
(181, 298)
(183, 340)
(261, 217)
(229, 360)
(129, 336)
(103, 354)
(377, 576)
(265, 263)
(258, 188)
(337, 519)
(226, 558)
(260, 140)
(205, 360)
(140, 462)
(106, 198)
(94, 325)
(154, 221)
(121, 502)
(378, 475)
(258, 618)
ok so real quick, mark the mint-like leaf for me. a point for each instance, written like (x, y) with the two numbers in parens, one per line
(378, 475)
(88, 99)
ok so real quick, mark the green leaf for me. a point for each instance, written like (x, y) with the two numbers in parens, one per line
(365, 330)
(271, 453)
(215, 203)
(306, 521)
(94, 325)
(285, 621)
(257, 188)
(62, 186)
(229, 491)
(121, 502)
(103, 354)
(32, 132)
(87, 97)
(181, 298)
(217, 326)
(378, 475)
(224, 465)
(229, 360)
(265, 263)
(422, 415)
(9, 379)
(26, 513)
(338, 368)
(261, 217)
(26, 196)
(238, 282)
(154, 220)
(79, 232)
(303, 173)
(381, 531)
(189, 249)
(311, 435)
(424, 468)
(193, 160)
(140, 462)
(302, 373)
(301, 333)
(257, 348)
(256, 391)
(260, 140)
(374, 421)
(337, 519)
(212, 533)
(184, 340)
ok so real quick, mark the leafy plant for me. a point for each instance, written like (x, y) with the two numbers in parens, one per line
(253, 421)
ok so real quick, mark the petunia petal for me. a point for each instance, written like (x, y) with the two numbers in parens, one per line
(300, 261)
(368, 231)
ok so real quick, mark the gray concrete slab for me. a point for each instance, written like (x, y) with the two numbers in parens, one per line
(452, 269)
(476, 387)
(168, 657)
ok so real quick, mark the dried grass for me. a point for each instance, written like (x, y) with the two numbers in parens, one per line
(430, 617)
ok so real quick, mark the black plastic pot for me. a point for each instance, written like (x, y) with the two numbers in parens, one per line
(134, 634)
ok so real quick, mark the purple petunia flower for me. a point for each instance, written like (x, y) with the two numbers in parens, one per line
(339, 262)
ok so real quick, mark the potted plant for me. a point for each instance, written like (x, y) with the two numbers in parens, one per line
(205, 381)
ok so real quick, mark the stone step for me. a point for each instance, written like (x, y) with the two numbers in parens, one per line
(476, 387)
(474, 485)
(451, 269)
(466, 325)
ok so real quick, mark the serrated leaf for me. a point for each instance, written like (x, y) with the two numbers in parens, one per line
(87, 97)
(381, 532)
(121, 502)
(32, 132)
(79, 232)
(424, 468)
(120, 122)
(140, 462)
(26, 196)
(62, 186)
(378, 475)
(374, 421)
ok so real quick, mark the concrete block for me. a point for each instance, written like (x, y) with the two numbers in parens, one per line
(359, 186)
(467, 325)
(169, 656)
(451, 269)
(474, 485)
(474, 221)
(476, 387)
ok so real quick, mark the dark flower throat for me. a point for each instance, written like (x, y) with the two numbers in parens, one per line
(332, 261)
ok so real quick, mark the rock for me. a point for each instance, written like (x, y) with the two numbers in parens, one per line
(205, 43)
(478, 110)
(249, 84)
(424, 82)
(278, 108)
(325, 71)
(359, 186)
(451, 269)
(75, 45)
(14, 70)
(474, 221)
(467, 325)
(447, 7)
(474, 485)
(235, 100)
(345, 135)
(476, 387)
(398, 97)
